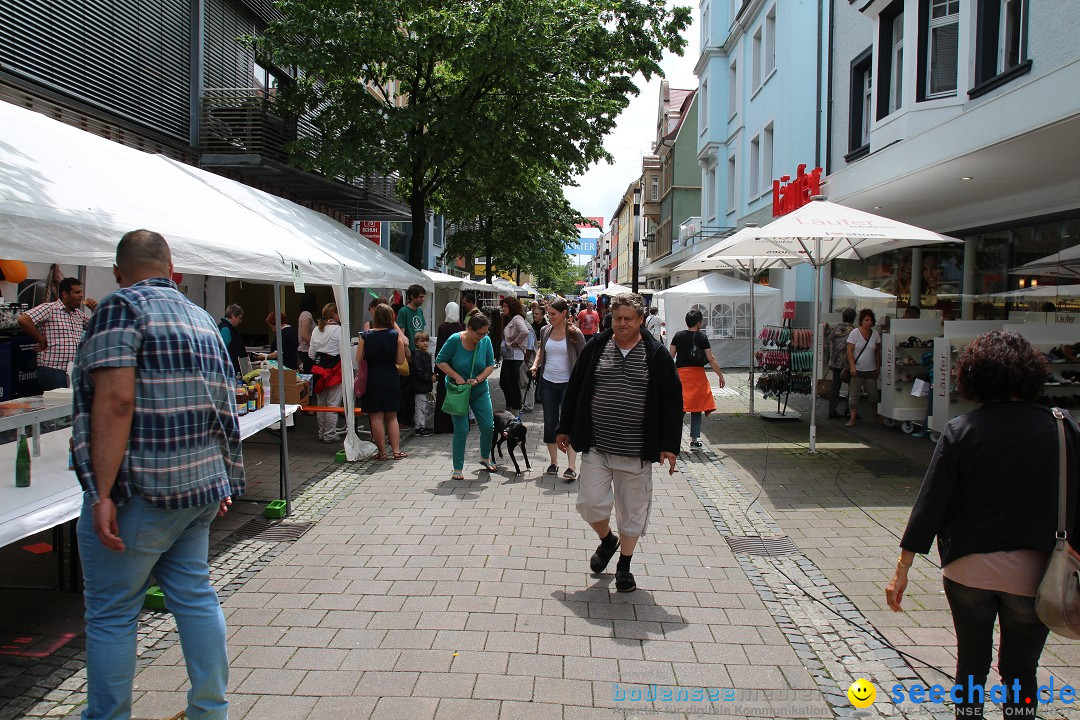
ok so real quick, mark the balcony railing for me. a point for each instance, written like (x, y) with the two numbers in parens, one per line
(239, 121)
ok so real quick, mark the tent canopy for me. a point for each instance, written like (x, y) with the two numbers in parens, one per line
(725, 306)
(1062, 264)
(443, 280)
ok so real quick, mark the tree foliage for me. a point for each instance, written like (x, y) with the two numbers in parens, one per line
(427, 88)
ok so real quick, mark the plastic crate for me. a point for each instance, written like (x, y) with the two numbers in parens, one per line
(155, 599)
(340, 456)
(275, 510)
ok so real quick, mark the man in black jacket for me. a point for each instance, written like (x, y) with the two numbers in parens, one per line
(623, 411)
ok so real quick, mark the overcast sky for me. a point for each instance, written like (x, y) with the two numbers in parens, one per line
(599, 189)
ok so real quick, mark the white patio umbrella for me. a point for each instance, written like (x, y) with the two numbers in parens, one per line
(714, 258)
(821, 232)
(1043, 291)
(1062, 264)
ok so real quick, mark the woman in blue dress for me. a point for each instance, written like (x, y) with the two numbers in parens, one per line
(456, 360)
(383, 351)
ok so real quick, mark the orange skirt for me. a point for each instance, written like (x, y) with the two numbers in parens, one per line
(696, 392)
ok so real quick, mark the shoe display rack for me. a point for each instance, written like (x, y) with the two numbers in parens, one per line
(1063, 382)
(785, 364)
(947, 401)
(907, 352)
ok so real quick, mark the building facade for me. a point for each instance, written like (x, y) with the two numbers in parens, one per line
(960, 116)
(173, 77)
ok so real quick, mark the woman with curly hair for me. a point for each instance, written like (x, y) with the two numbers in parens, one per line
(864, 363)
(990, 499)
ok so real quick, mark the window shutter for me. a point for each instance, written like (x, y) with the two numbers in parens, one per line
(944, 53)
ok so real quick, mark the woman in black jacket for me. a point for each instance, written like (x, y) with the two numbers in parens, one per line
(990, 499)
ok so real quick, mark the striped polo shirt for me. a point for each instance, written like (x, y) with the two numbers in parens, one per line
(184, 447)
(618, 401)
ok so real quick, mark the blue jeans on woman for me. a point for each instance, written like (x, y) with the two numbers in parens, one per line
(480, 404)
(695, 425)
(173, 545)
(551, 398)
(1022, 638)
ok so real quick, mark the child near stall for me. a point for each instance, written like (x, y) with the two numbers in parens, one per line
(422, 385)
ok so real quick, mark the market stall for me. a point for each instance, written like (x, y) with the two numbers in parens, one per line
(724, 303)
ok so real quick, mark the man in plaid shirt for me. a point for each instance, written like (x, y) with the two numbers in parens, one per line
(57, 326)
(157, 450)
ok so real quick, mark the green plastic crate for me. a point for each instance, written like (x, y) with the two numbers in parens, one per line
(155, 599)
(340, 456)
(275, 510)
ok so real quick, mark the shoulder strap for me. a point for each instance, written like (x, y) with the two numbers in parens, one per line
(1062, 471)
(864, 346)
(472, 365)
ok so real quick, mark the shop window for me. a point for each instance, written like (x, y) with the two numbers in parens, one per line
(941, 40)
(890, 59)
(742, 320)
(1000, 44)
(860, 112)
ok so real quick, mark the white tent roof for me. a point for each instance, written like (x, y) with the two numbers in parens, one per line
(453, 281)
(715, 257)
(843, 288)
(1042, 291)
(1064, 264)
(65, 193)
(715, 284)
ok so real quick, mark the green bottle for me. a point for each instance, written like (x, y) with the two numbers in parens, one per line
(22, 464)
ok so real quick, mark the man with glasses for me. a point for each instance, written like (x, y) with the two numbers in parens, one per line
(623, 412)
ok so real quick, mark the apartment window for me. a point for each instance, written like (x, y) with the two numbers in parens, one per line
(705, 25)
(860, 111)
(1001, 42)
(942, 46)
(703, 106)
(755, 165)
(712, 190)
(654, 194)
(770, 42)
(755, 48)
(731, 183)
(733, 90)
(890, 59)
(767, 157)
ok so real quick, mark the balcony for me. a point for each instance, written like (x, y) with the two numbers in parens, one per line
(239, 135)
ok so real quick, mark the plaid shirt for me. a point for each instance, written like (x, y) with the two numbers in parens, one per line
(62, 329)
(184, 449)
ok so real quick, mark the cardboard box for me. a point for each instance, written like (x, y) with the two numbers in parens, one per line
(296, 390)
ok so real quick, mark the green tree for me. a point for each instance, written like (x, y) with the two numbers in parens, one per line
(425, 88)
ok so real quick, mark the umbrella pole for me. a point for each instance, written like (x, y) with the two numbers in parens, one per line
(283, 455)
(753, 335)
(817, 323)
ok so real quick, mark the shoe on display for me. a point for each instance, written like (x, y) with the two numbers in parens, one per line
(1056, 379)
(1056, 356)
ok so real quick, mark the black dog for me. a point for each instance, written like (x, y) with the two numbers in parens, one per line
(514, 433)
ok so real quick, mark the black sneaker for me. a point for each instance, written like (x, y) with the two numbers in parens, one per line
(600, 559)
(624, 581)
(695, 445)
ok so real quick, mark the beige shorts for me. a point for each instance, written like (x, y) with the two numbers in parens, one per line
(858, 384)
(625, 482)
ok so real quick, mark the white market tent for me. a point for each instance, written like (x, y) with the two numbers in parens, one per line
(1062, 264)
(821, 232)
(612, 289)
(1042, 292)
(849, 294)
(724, 303)
(65, 193)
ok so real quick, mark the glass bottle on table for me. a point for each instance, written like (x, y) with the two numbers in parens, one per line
(22, 463)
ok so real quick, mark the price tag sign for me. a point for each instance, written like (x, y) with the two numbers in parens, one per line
(297, 278)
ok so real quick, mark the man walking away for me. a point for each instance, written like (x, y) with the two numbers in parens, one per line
(623, 411)
(57, 326)
(157, 451)
(230, 335)
(654, 325)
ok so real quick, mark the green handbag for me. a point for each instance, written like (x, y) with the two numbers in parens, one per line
(458, 396)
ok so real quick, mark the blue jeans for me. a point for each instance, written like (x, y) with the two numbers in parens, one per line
(695, 425)
(480, 404)
(1022, 638)
(551, 398)
(174, 546)
(50, 378)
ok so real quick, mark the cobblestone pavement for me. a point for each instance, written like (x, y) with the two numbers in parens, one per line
(414, 596)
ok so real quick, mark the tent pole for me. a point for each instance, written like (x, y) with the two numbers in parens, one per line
(283, 471)
(817, 323)
(753, 334)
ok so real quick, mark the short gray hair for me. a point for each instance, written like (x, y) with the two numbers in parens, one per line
(630, 300)
(235, 311)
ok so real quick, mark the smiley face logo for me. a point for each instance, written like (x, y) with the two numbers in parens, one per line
(862, 693)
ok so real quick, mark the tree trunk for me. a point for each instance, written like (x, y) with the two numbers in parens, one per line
(418, 241)
(490, 249)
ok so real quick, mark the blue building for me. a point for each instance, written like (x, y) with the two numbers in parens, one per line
(760, 111)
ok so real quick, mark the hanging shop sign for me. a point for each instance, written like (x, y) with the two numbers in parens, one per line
(371, 229)
(788, 194)
(789, 310)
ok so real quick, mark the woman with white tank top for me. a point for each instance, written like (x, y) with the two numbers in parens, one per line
(558, 350)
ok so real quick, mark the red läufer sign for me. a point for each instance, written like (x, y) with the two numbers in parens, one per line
(795, 193)
(789, 310)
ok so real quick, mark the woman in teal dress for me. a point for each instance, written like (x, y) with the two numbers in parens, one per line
(455, 359)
